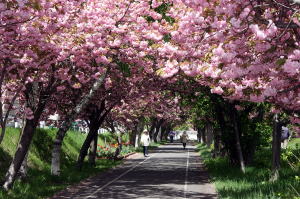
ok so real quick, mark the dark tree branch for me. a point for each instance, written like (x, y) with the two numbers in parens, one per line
(289, 89)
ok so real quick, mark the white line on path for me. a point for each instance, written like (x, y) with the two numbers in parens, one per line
(186, 173)
(117, 178)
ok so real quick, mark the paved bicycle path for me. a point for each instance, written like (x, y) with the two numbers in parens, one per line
(170, 172)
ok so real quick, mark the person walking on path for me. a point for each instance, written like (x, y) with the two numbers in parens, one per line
(285, 135)
(145, 141)
(184, 138)
(171, 135)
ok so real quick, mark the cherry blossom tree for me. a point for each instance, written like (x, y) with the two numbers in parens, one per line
(244, 50)
(111, 52)
(124, 43)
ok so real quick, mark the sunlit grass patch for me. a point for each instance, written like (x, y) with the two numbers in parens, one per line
(39, 183)
(230, 182)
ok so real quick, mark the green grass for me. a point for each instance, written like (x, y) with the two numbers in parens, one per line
(39, 183)
(294, 143)
(230, 182)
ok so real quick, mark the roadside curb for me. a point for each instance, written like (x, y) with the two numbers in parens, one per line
(118, 158)
(128, 155)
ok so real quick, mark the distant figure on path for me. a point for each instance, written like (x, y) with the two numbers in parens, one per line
(145, 141)
(171, 135)
(285, 135)
(184, 138)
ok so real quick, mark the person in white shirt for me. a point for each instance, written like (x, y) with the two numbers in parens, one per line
(145, 141)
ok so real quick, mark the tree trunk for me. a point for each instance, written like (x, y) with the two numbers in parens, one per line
(158, 135)
(237, 140)
(204, 136)
(217, 143)
(136, 132)
(20, 154)
(119, 148)
(24, 168)
(94, 126)
(84, 148)
(199, 134)
(163, 131)
(168, 129)
(36, 100)
(3, 128)
(276, 149)
(221, 121)
(56, 151)
(137, 140)
(3, 124)
(132, 135)
(141, 126)
(157, 128)
(209, 134)
(152, 128)
(93, 150)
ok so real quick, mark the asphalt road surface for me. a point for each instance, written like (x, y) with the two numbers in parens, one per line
(170, 172)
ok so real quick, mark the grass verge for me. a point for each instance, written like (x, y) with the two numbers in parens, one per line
(39, 183)
(230, 182)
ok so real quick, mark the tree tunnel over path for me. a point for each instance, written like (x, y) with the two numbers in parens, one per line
(129, 65)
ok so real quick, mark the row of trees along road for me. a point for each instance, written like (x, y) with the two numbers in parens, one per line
(135, 63)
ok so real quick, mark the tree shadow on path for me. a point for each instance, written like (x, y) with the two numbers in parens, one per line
(161, 176)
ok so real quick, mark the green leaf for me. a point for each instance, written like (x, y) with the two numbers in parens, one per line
(149, 18)
(124, 68)
(281, 61)
(167, 37)
(162, 9)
